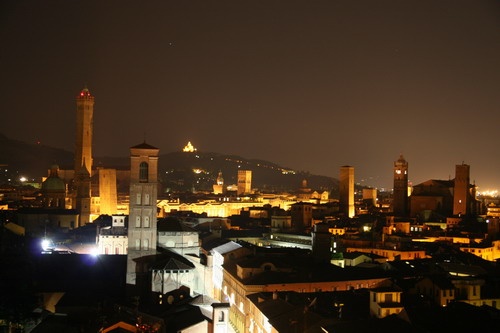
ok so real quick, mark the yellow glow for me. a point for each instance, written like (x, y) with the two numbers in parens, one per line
(189, 148)
(488, 193)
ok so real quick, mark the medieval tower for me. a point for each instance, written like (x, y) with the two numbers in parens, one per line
(83, 154)
(142, 210)
(346, 191)
(244, 182)
(461, 190)
(400, 194)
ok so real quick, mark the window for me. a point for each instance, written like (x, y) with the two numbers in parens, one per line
(137, 221)
(146, 199)
(117, 250)
(137, 244)
(388, 298)
(146, 244)
(146, 221)
(221, 316)
(138, 199)
(143, 172)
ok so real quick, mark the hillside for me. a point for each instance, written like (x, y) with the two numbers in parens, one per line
(178, 170)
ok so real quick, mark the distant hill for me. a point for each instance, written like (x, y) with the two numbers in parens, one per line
(178, 170)
(31, 159)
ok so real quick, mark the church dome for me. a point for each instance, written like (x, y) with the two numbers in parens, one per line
(53, 184)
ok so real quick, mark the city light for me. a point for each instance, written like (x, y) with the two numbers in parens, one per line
(94, 252)
(47, 244)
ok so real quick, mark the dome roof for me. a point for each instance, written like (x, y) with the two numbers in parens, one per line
(53, 184)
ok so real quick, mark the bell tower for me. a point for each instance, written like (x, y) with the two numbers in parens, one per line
(142, 210)
(400, 194)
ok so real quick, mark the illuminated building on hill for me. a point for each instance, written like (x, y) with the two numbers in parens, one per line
(189, 148)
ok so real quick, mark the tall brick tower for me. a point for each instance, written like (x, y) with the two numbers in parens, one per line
(346, 190)
(461, 205)
(84, 128)
(142, 211)
(83, 154)
(400, 194)
(244, 182)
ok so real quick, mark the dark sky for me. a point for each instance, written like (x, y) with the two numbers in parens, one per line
(311, 85)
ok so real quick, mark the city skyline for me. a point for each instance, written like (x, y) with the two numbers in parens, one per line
(308, 86)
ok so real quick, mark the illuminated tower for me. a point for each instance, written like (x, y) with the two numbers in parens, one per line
(82, 195)
(244, 182)
(346, 190)
(142, 210)
(83, 154)
(461, 190)
(219, 185)
(400, 194)
(84, 127)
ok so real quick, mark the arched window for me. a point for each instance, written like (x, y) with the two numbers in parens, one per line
(143, 172)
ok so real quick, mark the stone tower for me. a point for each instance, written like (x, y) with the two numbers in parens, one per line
(244, 182)
(346, 190)
(83, 154)
(461, 190)
(400, 194)
(142, 210)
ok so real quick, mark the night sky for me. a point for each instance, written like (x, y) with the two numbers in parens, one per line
(311, 85)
